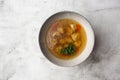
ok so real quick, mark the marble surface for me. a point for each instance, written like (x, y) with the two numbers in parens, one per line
(21, 57)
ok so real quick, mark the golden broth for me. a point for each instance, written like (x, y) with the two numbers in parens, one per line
(66, 39)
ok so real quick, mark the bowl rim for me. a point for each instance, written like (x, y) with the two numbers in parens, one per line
(85, 30)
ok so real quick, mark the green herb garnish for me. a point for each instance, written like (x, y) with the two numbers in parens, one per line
(70, 49)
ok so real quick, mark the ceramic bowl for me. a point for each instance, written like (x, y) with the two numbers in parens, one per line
(89, 33)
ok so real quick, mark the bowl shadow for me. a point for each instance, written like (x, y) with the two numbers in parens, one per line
(94, 56)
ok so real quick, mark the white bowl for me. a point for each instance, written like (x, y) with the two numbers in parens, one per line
(89, 33)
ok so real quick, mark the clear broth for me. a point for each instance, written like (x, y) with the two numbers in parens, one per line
(62, 33)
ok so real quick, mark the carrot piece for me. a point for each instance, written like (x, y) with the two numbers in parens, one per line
(78, 27)
(77, 50)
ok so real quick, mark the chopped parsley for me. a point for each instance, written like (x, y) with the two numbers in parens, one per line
(70, 49)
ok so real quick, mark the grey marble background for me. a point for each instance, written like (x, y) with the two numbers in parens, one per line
(21, 58)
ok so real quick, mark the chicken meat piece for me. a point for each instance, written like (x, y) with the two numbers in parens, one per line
(53, 43)
(68, 39)
(58, 48)
(77, 43)
(75, 36)
(56, 34)
(73, 26)
(69, 31)
(62, 41)
(60, 30)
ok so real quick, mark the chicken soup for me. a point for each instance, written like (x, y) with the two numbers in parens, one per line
(66, 39)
